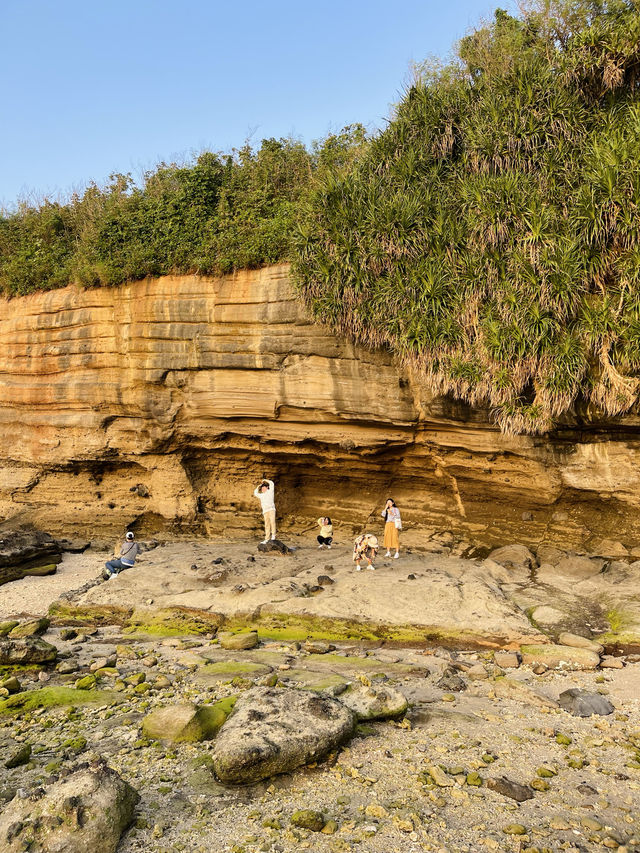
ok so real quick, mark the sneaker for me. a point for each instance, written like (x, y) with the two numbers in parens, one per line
(328, 547)
(273, 538)
(320, 547)
(264, 541)
(388, 554)
(396, 555)
(113, 575)
(373, 568)
(358, 568)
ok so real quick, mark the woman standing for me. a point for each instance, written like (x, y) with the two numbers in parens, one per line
(392, 527)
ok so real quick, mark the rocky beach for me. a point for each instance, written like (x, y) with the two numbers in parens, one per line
(220, 697)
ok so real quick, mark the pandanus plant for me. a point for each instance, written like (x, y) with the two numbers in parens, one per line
(489, 235)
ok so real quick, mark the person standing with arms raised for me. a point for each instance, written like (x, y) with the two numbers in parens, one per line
(265, 493)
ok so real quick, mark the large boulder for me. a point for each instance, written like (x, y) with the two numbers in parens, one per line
(514, 557)
(375, 702)
(26, 650)
(88, 810)
(186, 723)
(238, 642)
(25, 552)
(276, 730)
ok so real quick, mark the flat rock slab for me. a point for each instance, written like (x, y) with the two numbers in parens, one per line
(578, 642)
(26, 650)
(582, 703)
(88, 810)
(560, 657)
(274, 731)
(374, 702)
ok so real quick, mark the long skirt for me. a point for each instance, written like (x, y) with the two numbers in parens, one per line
(391, 536)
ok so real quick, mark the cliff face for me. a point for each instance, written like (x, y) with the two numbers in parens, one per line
(159, 404)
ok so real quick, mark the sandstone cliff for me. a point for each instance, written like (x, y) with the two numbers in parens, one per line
(157, 405)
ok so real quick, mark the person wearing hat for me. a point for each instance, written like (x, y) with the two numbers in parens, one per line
(365, 547)
(128, 553)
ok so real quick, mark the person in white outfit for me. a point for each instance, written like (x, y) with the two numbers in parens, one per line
(265, 493)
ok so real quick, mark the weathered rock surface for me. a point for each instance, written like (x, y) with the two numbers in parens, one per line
(25, 651)
(583, 703)
(33, 628)
(88, 810)
(509, 788)
(164, 401)
(375, 702)
(25, 552)
(513, 556)
(273, 731)
(244, 640)
(560, 657)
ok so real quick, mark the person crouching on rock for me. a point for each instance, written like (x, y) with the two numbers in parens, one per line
(392, 527)
(265, 493)
(365, 546)
(128, 553)
(326, 532)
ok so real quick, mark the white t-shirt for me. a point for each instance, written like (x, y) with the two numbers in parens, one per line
(266, 498)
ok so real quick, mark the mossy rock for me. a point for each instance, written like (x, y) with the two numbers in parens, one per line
(6, 627)
(64, 613)
(174, 621)
(187, 723)
(53, 697)
(240, 641)
(311, 680)
(308, 819)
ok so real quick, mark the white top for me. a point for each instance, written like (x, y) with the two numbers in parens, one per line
(393, 514)
(266, 498)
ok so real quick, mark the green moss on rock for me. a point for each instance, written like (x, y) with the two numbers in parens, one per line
(53, 697)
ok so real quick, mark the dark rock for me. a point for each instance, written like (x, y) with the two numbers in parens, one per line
(582, 703)
(308, 819)
(450, 680)
(25, 552)
(325, 580)
(276, 730)
(141, 490)
(217, 561)
(508, 788)
(68, 634)
(26, 650)
(273, 546)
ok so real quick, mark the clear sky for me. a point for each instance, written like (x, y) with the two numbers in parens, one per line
(90, 87)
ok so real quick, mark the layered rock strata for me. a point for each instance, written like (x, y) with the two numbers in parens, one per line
(158, 405)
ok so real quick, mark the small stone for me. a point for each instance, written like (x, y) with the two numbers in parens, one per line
(11, 685)
(546, 772)
(514, 829)
(318, 647)
(474, 779)
(88, 682)
(376, 810)
(562, 739)
(308, 819)
(539, 785)
(509, 788)
(506, 660)
(441, 779)
(611, 662)
(68, 634)
(330, 827)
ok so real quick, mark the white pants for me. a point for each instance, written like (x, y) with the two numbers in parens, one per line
(270, 524)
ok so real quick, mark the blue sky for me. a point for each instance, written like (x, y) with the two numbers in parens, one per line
(90, 87)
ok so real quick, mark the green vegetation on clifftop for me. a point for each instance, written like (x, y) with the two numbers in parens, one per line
(490, 235)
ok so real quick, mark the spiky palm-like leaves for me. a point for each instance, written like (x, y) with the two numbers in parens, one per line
(490, 234)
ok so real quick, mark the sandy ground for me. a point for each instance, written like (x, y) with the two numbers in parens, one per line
(32, 596)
